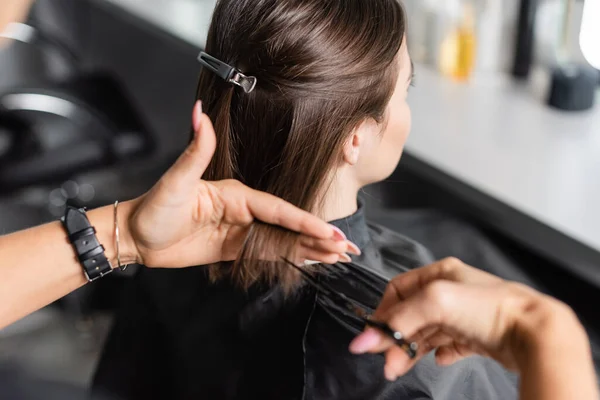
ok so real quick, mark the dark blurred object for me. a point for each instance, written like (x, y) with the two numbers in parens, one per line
(37, 53)
(61, 120)
(56, 130)
(573, 88)
(20, 385)
(57, 116)
(524, 46)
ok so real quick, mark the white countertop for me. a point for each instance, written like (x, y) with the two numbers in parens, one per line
(499, 138)
(491, 134)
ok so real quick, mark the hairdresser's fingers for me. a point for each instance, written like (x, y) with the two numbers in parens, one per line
(433, 339)
(397, 363)
(303, 251)
(275, 211)
(329, 245)
(190, 166)
(324, 245)
(430, 338)
(436, 338)
(304, 254)
(452, 353)
(243, 204)
(450, 269)
(466, 310)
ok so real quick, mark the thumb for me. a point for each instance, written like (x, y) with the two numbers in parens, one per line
(195, 159)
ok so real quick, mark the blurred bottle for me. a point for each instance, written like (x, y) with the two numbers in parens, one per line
(524, 48)
(485, 29)
(458, 47)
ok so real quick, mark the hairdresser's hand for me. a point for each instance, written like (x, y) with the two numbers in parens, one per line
(461, 311)
(185, 221)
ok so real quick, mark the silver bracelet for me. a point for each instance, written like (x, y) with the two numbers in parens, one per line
(123, 268)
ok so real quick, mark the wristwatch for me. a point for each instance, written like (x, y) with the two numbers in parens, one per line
(82, 236)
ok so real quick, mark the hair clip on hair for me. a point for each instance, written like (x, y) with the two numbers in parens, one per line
(227, 72)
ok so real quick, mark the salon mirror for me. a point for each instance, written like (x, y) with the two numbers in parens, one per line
(590, 32)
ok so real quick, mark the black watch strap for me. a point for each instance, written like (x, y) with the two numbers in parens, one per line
(82, 236)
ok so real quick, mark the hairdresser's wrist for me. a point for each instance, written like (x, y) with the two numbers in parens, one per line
(555, 361)
(547, 330)
(103, 219)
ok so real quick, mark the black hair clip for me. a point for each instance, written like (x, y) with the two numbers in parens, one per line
(227, 72)
(354, 309)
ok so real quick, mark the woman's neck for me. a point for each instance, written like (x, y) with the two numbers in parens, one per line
(340, 201)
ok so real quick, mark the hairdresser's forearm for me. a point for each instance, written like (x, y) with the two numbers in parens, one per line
(556, 362)
(39, 266)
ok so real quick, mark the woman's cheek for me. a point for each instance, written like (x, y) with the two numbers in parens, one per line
(400, 130)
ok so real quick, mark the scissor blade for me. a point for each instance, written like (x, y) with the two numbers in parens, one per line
(328, 290)
(308, 277)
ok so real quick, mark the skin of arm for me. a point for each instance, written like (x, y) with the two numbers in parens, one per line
(458, 311)
(39, 265)
(182, 221)
(51, 269)
(553, 354)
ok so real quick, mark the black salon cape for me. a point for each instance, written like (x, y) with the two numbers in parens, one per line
(180, 337)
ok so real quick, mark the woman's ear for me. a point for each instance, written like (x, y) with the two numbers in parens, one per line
(352, 148)
(360, 141)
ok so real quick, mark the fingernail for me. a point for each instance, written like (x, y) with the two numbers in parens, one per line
(338, 235)
(353, 249)
(345, 258)
(197, 114)
(365, 342)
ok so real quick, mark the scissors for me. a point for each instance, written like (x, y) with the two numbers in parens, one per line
(354, 309)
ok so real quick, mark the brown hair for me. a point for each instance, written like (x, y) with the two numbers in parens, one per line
(323, 67)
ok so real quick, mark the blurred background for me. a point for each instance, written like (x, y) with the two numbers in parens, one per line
(96, 99)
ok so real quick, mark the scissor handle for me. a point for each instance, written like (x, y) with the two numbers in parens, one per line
(410, 348)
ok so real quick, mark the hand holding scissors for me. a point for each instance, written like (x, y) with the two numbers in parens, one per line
(458, 311)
